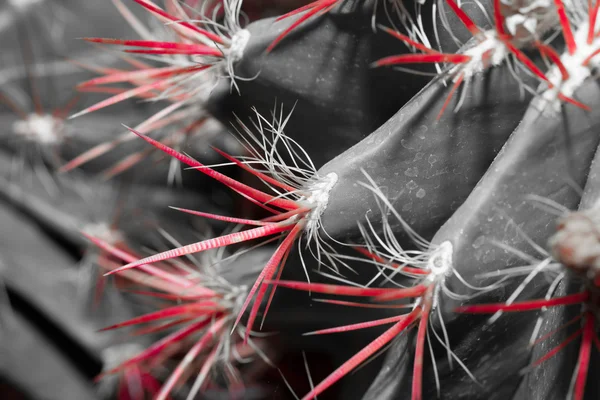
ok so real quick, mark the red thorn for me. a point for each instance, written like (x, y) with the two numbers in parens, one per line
(153, 8)
(524, 305)
(162, 344)
(525, 60)
(254, 172)
(126, 163)
(267, 273)
(135, 92)
(363, 305)
(499, 18)
(574, 102)
(230, 182)
(299, 10)
(190, 357)
(319, 6)
(364, 354)
(159, 273)
(589, 58)
(409, 41)
(381, 260)
(597, 342)
(423, 58)
(175, 297)
(283, 216)
(566, 27)
(272, 294)
(197, 309)
(396, 294)
(592, 20)
(206, 51)
(132, 76)
(584, 356)
(332, 289)
(162, 118)
(550, 334)
(88, 156)
(453, 90)
(208, 244)
(161, 328)
(558, 348)
(66, 109)
(223, 218)
(417, 381)
(465, 19)
(554, 57)
(169, 47)
(21, 113)
(361, 325)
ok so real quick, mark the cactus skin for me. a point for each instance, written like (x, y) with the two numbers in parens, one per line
(428, 167)
(535, 160)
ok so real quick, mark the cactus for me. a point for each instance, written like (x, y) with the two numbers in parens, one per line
(407, 188)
